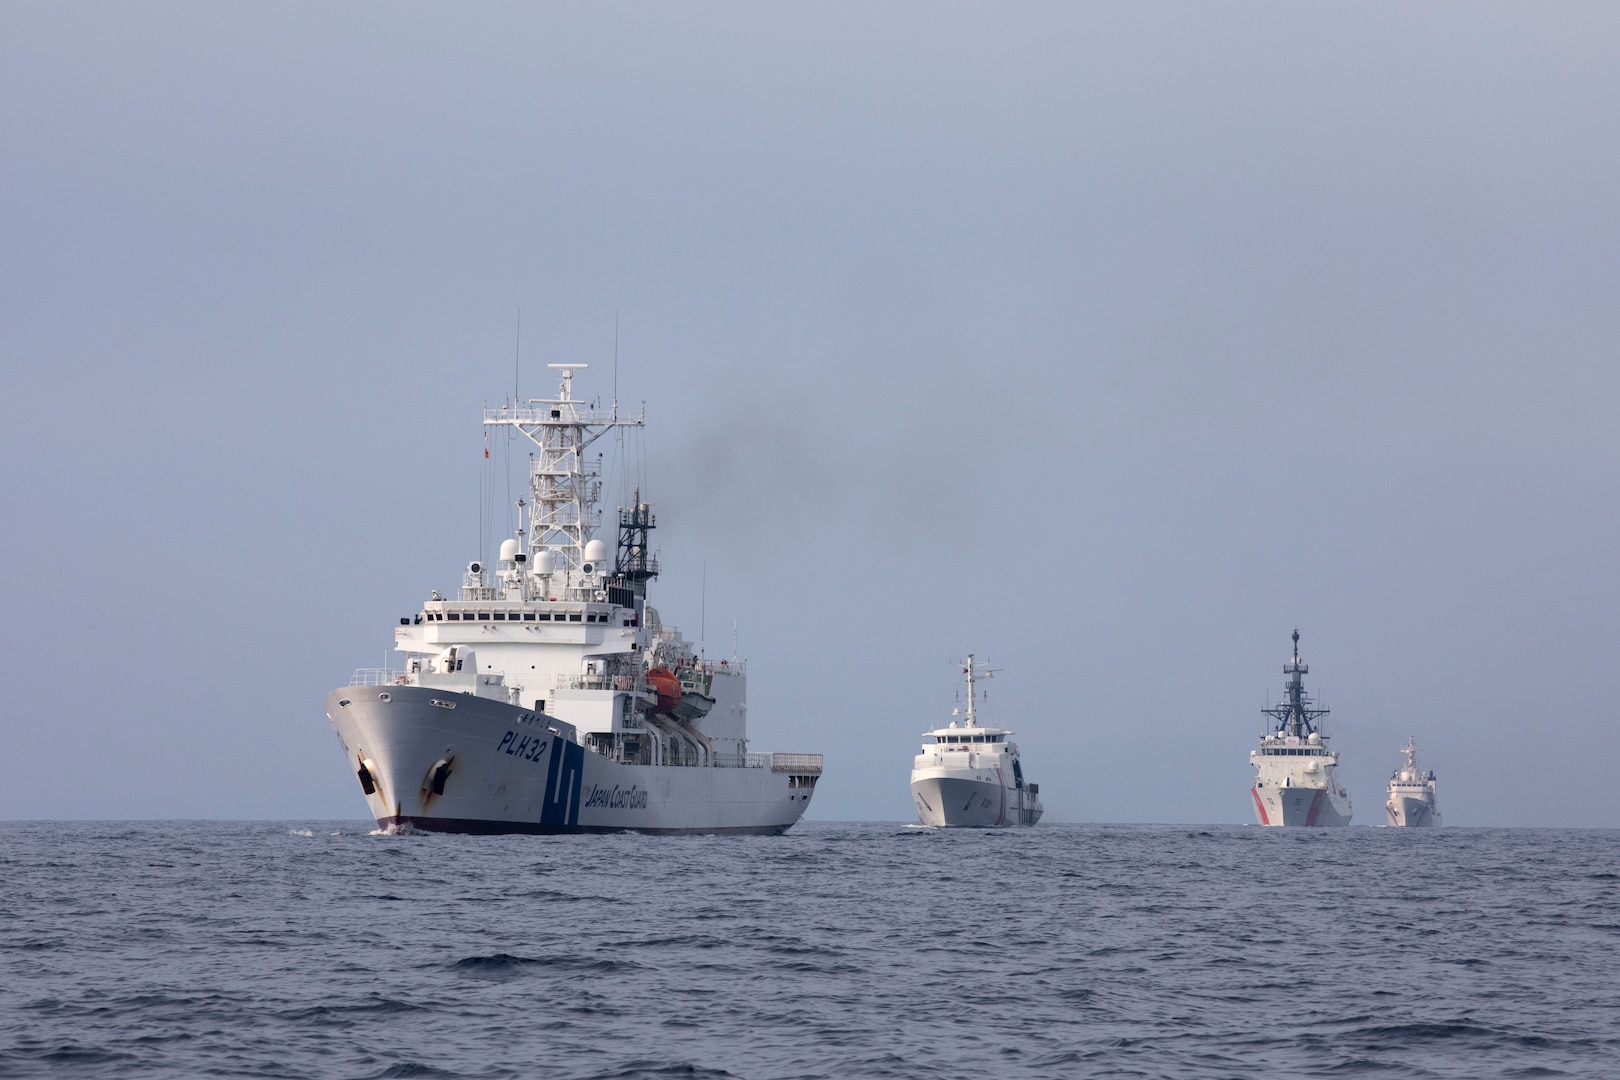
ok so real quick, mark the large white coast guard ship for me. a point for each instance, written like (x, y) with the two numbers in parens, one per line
(1294, 771)
(970, 775)
(1413, 802)
(547, 696)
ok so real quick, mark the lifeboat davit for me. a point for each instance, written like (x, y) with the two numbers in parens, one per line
(663, 682)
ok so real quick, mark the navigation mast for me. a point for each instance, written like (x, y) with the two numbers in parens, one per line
(974, 672)
(564, 484)
(1296, 717)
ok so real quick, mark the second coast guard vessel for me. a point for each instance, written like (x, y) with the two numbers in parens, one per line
(547, 696)
(970, 776)
(1295, 781)
(1412, 801)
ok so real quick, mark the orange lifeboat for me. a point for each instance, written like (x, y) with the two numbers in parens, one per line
(663, 682)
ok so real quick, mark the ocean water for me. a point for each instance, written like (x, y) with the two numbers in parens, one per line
(839, 950)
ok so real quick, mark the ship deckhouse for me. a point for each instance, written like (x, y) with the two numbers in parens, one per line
(563, 627)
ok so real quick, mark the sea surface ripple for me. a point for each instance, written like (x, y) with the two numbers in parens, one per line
(839, 950)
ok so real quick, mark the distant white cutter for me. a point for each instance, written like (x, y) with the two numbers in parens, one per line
(1412, 802)
(1294, 781)
(970, 776)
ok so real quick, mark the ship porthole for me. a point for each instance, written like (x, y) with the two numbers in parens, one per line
(385, 697)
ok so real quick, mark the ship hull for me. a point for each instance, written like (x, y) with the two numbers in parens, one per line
(944, 800)
(1310, 807)
(442, 762)
(1411, 812)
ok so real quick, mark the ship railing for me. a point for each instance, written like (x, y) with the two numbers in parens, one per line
(577, 413)
(797, 763)
(598, 682)
(377, 676)
(697, 667)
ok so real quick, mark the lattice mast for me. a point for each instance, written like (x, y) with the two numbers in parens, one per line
(565, 484)
(634, 563)
(1296, 716)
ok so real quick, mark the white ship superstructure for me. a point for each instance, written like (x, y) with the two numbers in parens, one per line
(1412, 799)
(1295, 781)
(970, 775)
(546, 695)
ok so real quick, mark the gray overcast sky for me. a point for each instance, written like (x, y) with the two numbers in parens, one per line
(1109, 342)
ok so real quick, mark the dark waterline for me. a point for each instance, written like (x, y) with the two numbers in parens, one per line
(838, 950)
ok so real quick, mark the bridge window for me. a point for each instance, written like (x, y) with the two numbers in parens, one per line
(455, 617)
(573, 616)
(545, 616)
(528, 616)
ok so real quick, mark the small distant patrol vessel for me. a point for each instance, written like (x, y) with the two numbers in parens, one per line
(1412, 802)
(547, 696)
(970, 776)
(1295, 781)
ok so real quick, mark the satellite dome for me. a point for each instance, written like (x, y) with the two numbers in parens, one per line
(545, 563)
(509, 550)
(596, 553)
